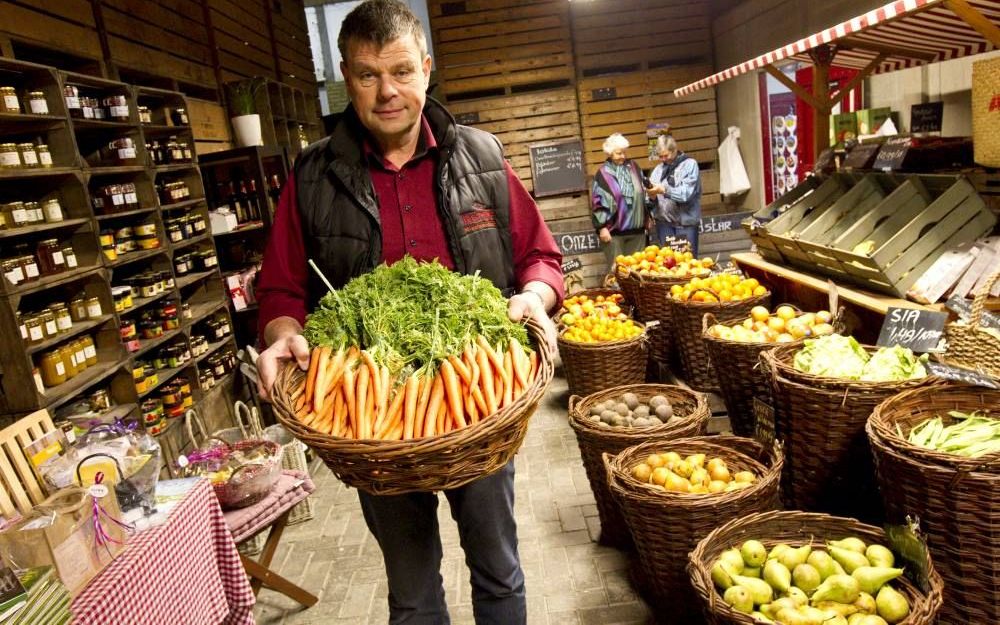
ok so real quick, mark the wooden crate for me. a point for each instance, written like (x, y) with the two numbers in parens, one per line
(67, 27)
(778, 234)
(501, 47)
(756, 224)
(987, 184)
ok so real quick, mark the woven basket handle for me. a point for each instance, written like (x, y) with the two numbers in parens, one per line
(606, 459)
(980, 301)
(707, 321)
(247, 420)
(573, 401)
(191, 420)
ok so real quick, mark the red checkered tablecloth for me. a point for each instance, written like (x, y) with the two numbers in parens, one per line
(184, 571)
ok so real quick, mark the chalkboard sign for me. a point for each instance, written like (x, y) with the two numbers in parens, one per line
(467, 119)
(557, 167)
(958, 374)
(920, 330)
(861, 156)
(722, 223)
(825, 162)
(963, 307)
(571, 265)
(574, 243)
(926, 117)
(892, 153)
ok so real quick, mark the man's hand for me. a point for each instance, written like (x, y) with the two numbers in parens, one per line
(605, 235)
(529, 305)
(285, 348)
(656, 189)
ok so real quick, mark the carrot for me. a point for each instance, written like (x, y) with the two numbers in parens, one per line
(493, 355)
(508, 379)
(370, 414)
(396, 433)
(299, 403)
(339, 418)
(481, 406)
(462, 371)
(361, 395)
(453, 389)
(376, 382)
(442, 420)
(325, 423)
(470, 407)
(425, 396)
(320, 387)
(313, 368)
(434, 405)
(351, 401)
(393, 413)
(386, 387)
(306, 418)
(412, 389)
(534, 366)
(518, 359)
(486, 379)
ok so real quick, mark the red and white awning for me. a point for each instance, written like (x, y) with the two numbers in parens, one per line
(910, 32)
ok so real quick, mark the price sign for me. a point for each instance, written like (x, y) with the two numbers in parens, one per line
(571, 265)
(968, 376)
(861, 156)
(963, 307)
(920, 330)
(926, 117)
(892, 154)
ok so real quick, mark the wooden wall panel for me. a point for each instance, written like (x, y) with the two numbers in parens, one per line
(66, 29)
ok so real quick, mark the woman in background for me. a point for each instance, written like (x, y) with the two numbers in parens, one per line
(618, 202)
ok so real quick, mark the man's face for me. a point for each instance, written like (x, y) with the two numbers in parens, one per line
(387, 85)
(618, 156)
(667, 157)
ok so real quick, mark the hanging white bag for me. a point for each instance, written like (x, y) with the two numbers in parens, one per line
(733, 178)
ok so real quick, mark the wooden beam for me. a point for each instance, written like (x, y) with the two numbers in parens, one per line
(795, 87)
(848, 43)
(974, 18)
(274, 44)
(854, 82)
(822, 57)
(110, 69)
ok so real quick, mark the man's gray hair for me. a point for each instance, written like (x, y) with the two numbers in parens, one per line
(665, 144)
(380, 22)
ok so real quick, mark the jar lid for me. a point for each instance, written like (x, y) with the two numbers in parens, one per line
(8, 146)
(26, 144)
(34, 94)
(117, 291)
(41, 146)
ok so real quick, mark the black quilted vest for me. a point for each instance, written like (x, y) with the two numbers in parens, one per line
(340, 214)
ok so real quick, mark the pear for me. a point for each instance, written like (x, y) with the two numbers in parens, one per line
(793, 557)
(733, 558)
(871, 578)
(721, 575)
(892, 605)
(866, 619)
(777, 550)
(752, 571)
(772, 609)
(835, 620)
(754, 553)
(799, 617)
(759, 617)
(777, 576)
(865, 603)
(822, 562)
(760, 590)
(806, 577)
(813, 615)
(797, 595)
(843, 609)
(739, 598)
(849, 559)
(851, 544)
(838, 569)
(879, 556)
(839, 588)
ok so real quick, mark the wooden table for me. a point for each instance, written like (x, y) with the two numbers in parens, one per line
(865, 310)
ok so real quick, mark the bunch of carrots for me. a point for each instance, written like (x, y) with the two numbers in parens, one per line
(347, 394)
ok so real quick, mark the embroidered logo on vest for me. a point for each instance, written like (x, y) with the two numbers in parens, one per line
(479, 218)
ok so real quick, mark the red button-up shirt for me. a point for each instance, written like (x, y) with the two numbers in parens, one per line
(411, 224)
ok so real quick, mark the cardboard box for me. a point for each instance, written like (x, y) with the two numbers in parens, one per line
(870, 120)
(843, 126)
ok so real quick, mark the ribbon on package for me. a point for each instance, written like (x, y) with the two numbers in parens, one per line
(101, 536)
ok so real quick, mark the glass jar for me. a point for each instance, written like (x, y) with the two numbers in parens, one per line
(122, 296)
(100, 400)
(89, 350)
(70, 255)
(174, 233)
(182, 265)
(152, 378)
(8, 100)
(49, 326)
(52, 211)
(207, 260)
(186, 149)
(70, 363)
(88, 105)
(108, 246)
(179, 117)
(94, 308)
(34, 212)
(10, 158)
(30, 267)
(36, 333)
(122, 151)
(186, 311)
(117, 106)
(78, 309)
(50, 257)
(131, 198)
(73, 103)
(168, 316)
(80, 353)
(29, 158)
(145, 229)
(22, 328)
(150, 329)
(44, 156)
(52, 368)
(148, 242)
(198, 224)
(218, 366)
(152, 412)
(64, 321)
(37, 104)
(18, 214)
(145, 116)
(12, 271)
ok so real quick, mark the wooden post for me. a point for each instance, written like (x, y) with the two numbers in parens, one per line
(822, 57)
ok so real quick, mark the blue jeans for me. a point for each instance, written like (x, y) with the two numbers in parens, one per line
(664, 230)
(406, 528)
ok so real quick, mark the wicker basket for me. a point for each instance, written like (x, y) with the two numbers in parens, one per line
(594, 441)
(687, 317)
(797, 529)
(649, 296)
(828, 464)
(968, 345)
(666, 526)
(427, 464)
(741, 378)
(957, 499)
(985, 116)
(592, 367)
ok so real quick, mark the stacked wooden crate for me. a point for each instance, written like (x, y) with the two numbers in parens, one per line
(242, 38)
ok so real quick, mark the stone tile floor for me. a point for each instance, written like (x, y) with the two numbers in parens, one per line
(570, 579)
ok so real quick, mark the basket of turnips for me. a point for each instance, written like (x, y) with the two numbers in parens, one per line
(600, 345)
(417, 380)
(646, 277)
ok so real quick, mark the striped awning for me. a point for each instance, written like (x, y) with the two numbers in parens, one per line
(908, 32)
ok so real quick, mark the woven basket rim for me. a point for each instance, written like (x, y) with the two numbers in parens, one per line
(473, 433)
(621, 479)
(924, 606)
(779, 357)
(578, 420)
(603, 344)
(753, 300)
(836, 322)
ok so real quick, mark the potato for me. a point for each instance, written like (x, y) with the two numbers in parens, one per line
(664, 411)
(641, 422)
(621, 409)
(640, 412)
(630, 400)
(608, 416)
(656, 400)
(596, 410)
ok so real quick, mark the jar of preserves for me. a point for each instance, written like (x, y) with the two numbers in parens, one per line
(22, 328)
(218, 365)
(78, 309)
(145, 229)
(8, 100)
(117, 106)
(10, 158)
(34, 212)
(80, 353)
(150, 329)
(90, 350)
(148, 242)
(206, 380)
(122, 296)
(88, 105)
(94, 308)
(224, 324)
(130, 196)
(18, 215)
(152, 378)
(44, 156)
(186, 311)
(145, 116)
(110, 250)
(36, 333)
(12, 271)
(64, 321)
(70, 363)
(49, 326)
(207, 260)
(100, 400)
(179, 117)
(198, 224)
(29, 158)
(152, 412)
(50, 257)
(168, 316)
(52, 368)
(53, 211)
(70, 255)
(122, 151)
(37, 104)
(73, 103)
(30, 267)
(182, 265)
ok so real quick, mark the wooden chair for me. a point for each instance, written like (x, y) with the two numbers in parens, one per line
(21, 487)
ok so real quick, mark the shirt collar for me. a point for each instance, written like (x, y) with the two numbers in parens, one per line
(425, 143)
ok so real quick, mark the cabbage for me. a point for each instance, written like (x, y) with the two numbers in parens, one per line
(890, 364)
(832, 356)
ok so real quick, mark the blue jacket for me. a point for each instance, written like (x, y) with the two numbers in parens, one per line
(681, 204)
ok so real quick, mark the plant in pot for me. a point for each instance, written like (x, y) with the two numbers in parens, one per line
(243, 105)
